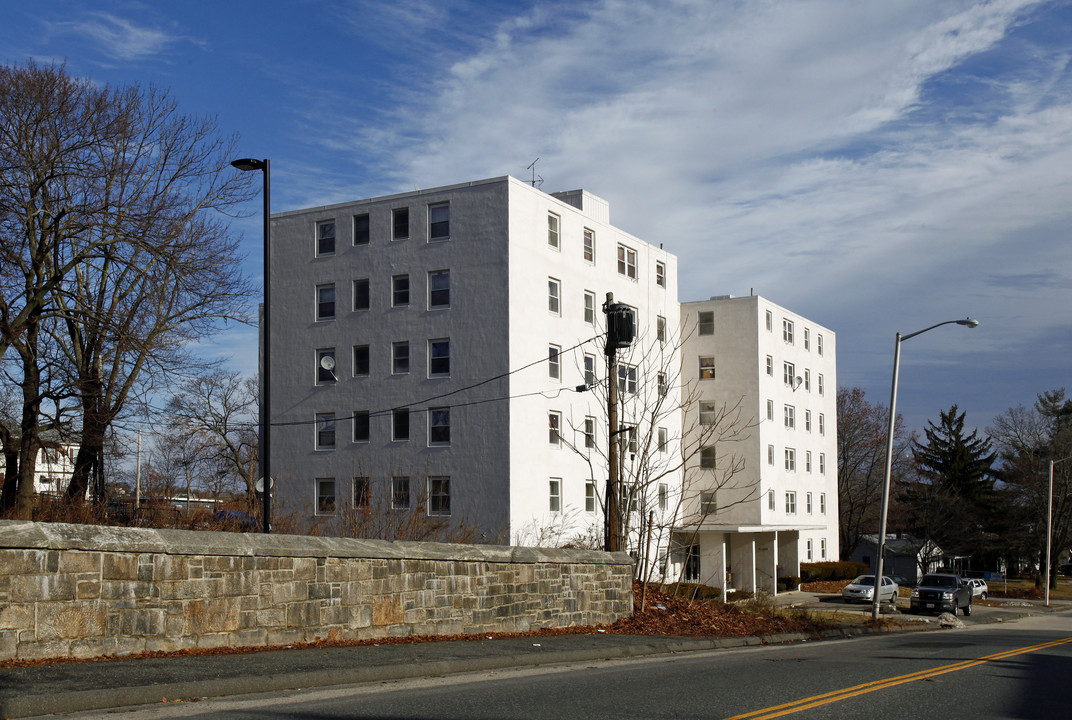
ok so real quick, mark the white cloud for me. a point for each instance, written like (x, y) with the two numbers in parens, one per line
(120, 38)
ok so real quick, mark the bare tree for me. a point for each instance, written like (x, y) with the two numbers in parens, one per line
(111, 256)
(669, 465)
(861, 434)
(218, 411)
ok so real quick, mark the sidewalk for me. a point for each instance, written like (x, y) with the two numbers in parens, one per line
(74, 687)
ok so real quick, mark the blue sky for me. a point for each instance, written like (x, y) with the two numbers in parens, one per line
(875, 166)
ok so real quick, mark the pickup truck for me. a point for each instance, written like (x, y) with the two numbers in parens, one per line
(940, 592)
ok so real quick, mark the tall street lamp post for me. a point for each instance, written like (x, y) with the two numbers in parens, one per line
(875, 602)
(1049, 524)
(266, 354)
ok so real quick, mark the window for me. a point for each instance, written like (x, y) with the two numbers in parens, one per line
(807, 420)
(707, 367)
(692, 563)
(630, 436)
(822, 463)
(400, 492)
(810, 553)
(770, 455)
(325, 431)
(770, 366)
(770, 500)
(664, 441)
(590, 307)
(706, 322)
(361, 360)
(660, 274)
(707, 413)
(707, 457)
(325, 496)
(807, 503)
(789, 372)
(361, 492)
(661, 383)
(589, 246)
(439, 495)
(627, 379)
(589, 432)
(807, 379)
(822, 389)
(790, 460)
(822, 424)
(325, 366)
(660, 329)
(822, 548)
(400, 358)
(361, 426)
(325, 302)
(819, 343)
(400, 291)
(822, 503)
(361, 229)
(807, 461)
(554, 364)
(439, 426)
(554, 295)
(791, 503)
(439, 358)
(400, 424)
(552, 231)
(664, 497)
(807, 339)
(554, 427)
(325, 238)
(790, 413)
(400, 223)
(555, 495)
(708, 504)
(589, 495)
(627, 262)
(438, 222)
(770, 322)
(787, 331)
(438, 289)
(361, 294)
(590, 370)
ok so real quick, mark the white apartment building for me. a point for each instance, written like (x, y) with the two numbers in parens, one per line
(764, 501)
(427, 349)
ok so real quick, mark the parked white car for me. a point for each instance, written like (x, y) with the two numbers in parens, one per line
(862, 589)
(979, 588)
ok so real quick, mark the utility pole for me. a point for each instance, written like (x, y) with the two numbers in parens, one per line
(620, 332)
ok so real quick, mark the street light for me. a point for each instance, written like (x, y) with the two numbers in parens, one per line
(1049, 524)
(967, 322)
(246, 164)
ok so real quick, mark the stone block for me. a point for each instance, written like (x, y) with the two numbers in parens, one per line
(305, 569)
(119, 566)
(386, 610)
(9, 644)
(171, 568)
(73, 561)
(88, 589)
(254, 637)
(169, 644)
(43, 649)
(285, 637)
(22, 562)
(16, 617)
(359, 616)
(42, 588)
(65, 621)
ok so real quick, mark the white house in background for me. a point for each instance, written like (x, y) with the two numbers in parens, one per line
(54, 467)
(781, 507)
(427, 348)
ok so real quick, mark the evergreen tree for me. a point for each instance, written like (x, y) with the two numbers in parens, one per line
(956, 463)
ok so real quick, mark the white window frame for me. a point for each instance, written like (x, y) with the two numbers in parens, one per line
(790, 459)
(590, 496)
(400, 296)
(822, 503)
(821, 384)
(822, 424)
(554, 362)
(554, 428)
(401, 497)
(438, 424)
(554, 296)
(323, 375)
(807, 461)
(790, 502)
(589, 432)
(707, 367)
(589, 307)
(770, 366)
(789, 373)
(819, 343)
(708, 412)
(787, 331)
(790, 417)
(326, 504)
(554, 495)
(321, 303)
(807, 420)
(589, 370)
(325, 230)
(400, 364)
(807, 339)
(554, 231)
(770, 410)
(660, 274)
(589, 247)
(325, 424)
(627, 261)
(770, 321)
(807, 503)
(437, 277)
(770, 455)
(438, 496)
(433, 210)
(771, 502)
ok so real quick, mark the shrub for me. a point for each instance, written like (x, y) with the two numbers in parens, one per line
(788, 582)
(694, 591)
(841, 570)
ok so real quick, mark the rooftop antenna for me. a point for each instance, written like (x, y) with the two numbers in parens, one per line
(535, 177)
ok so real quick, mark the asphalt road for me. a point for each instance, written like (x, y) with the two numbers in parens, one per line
(992, 670)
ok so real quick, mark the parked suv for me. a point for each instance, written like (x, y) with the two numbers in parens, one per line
(939, 592)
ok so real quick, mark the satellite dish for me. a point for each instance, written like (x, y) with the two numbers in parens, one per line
(327, 362)
(259, 485)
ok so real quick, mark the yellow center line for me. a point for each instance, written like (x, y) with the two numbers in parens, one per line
(845, 693)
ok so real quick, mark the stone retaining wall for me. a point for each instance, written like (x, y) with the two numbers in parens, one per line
(89, 591)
